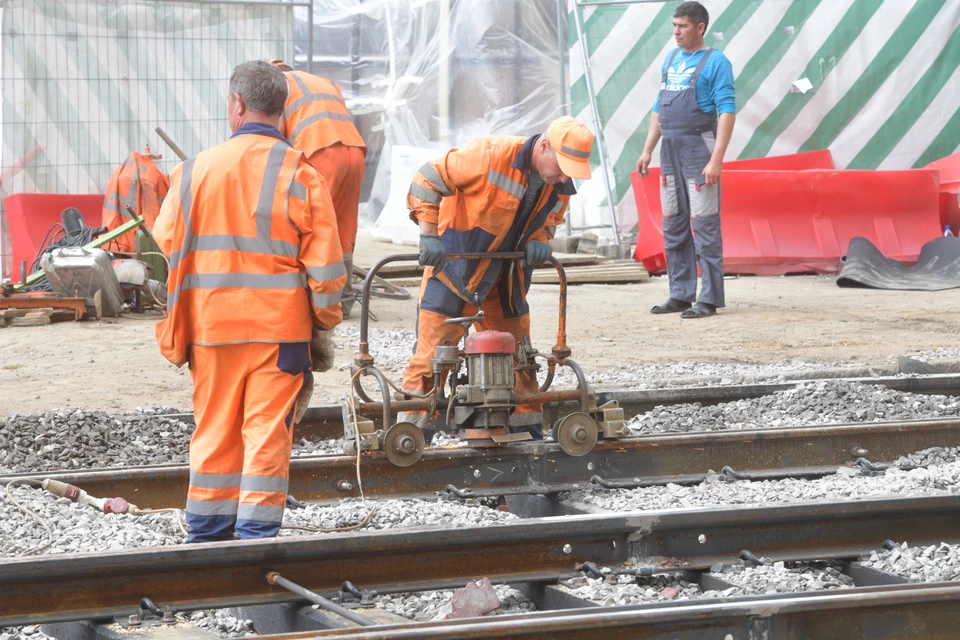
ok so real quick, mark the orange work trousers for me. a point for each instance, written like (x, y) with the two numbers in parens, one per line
(244, 402)
(433, 332)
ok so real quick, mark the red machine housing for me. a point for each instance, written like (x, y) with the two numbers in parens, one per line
(487, 342)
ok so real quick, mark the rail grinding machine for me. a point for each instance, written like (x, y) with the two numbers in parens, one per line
(480, 373)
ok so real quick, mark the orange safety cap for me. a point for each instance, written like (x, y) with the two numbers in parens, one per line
(573, 143)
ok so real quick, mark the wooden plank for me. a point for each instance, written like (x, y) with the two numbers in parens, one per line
(606, 273)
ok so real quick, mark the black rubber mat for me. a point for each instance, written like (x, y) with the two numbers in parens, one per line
(937, 268)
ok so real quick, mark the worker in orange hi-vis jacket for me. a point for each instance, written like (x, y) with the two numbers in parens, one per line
(139, 184)
(497, 193)
(317, 122)
(253, 295)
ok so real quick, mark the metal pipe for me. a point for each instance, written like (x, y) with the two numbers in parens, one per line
(531, 397)
(560, 350)
(274, 578)
(385, 393)
(170, 143)
(598, 125)
(584, 388)
(417, 404)
(364, 359)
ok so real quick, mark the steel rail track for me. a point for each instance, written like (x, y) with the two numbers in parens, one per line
(544, 468)
(106, 584)
(929, 611)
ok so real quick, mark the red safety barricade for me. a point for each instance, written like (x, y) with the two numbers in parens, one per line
(801, 221)
(31, 215)
(649, 248)
(949, 169)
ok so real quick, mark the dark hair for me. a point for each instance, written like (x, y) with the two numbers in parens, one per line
(696, 12)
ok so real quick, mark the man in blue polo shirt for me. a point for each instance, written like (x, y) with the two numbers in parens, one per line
(697, 84)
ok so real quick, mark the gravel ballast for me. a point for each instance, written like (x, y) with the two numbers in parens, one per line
(822, 402)
(782, 577)
(934, 563)
(846, 484)
(611, 591)
(424, 605)
(78, 528)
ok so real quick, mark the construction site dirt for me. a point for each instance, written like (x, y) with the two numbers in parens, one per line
(791, 323)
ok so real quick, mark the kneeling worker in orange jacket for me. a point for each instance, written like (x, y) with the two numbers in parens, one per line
(253, 294)
(498, 193)
(139, 184)
(317, 122)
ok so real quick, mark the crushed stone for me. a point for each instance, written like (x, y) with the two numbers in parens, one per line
(424, 605)
(846, 484)
(933, 563)
(822, 402)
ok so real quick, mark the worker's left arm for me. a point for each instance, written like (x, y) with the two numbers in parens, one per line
(723, 95)
(320, 252)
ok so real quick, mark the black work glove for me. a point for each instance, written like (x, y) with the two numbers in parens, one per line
(537, 253)
(432, 253)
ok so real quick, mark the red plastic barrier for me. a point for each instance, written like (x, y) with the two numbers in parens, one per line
(777, 222)
(30, 216)
(649, 249)
(949, 169)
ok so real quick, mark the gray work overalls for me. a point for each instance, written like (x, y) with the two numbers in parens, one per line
(689, 136)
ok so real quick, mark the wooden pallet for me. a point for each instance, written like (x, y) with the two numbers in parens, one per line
(35, 317)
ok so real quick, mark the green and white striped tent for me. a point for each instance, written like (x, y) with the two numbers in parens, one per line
(885, 76)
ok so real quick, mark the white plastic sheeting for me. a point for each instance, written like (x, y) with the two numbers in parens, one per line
(434, 74)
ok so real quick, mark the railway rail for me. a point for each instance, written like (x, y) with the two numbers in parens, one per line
(541, 551)
(544, 468)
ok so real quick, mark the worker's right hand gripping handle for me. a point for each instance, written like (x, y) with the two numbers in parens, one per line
(432, 253)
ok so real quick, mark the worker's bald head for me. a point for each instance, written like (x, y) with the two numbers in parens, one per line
(262, 86)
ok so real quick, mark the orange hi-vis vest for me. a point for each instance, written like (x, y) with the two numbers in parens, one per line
(139, 184)
(473, 195)
(254, 251)
(316, 116)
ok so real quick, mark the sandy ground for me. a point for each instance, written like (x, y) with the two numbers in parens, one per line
(114, 364)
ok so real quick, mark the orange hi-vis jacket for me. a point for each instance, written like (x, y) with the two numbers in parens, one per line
(254, 252)
(473, 194)
(316, 116)
(139, 184)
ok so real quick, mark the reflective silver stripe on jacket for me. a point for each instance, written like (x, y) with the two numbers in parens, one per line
(236, 281)
(509, 185)
(421, 192)
(317, 117)
(431, 174)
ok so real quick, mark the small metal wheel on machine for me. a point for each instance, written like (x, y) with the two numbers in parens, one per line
(403, 444)
(576, 434)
